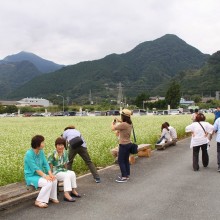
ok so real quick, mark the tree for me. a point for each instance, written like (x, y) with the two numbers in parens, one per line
(140, 98)
(173, 95)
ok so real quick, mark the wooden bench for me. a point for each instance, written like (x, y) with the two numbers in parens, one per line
(144, 150)
(14, 193)
(165, 145)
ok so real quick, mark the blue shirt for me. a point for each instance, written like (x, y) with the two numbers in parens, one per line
(217, 128)
(33, 162)
(217, 114)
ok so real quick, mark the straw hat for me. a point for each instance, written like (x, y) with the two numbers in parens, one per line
(126, 112)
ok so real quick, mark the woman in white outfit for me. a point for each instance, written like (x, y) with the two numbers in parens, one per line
(58, 160)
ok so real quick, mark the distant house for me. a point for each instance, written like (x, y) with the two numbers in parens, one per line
(187, 103)
(34, 102)
(155, 99)
(2, 102)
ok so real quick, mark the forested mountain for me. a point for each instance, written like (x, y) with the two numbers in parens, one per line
(44, 66)
(13, 75)
(205, 81)
(142, 69)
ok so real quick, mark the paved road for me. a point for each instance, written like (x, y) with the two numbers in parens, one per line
(161, 187)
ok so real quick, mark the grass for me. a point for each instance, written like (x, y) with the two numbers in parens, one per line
(16, 134)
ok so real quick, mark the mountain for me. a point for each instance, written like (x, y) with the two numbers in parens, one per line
(44, 66)
(204, 81)
(148, 65)
(13, 75)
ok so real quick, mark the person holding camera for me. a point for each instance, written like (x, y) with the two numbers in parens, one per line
(124, 129)
(69, 134)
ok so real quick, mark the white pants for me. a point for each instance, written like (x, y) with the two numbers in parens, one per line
(48, 190)
(68, 178)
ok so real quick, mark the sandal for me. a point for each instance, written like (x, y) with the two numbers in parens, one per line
(54, 201)
(41, 204)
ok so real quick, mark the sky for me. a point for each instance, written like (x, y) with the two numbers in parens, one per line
(71, 31)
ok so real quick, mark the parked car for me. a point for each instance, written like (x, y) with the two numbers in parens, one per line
(113, 112)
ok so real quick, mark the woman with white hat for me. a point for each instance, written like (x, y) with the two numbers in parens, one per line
(124, 128)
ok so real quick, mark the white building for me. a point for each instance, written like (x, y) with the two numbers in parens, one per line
(35, 102)
(184, 102)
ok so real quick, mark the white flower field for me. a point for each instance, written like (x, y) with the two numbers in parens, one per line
(16, 134)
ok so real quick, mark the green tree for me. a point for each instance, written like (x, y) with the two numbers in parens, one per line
(173, 95)
(11, 109)
(140, 98)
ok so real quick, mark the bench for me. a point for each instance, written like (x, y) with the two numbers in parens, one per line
(165, 145)
(14, 193)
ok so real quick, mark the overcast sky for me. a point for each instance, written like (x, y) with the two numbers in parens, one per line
(71, 31)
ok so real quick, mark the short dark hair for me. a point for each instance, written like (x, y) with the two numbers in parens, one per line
(126, 119)
(167, 124)
(36, 141)
(69, 127)
(60, 140)
(196, 110)
(164, 125)
(200, 117)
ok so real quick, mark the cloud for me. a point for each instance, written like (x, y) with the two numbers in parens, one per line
(68, 32)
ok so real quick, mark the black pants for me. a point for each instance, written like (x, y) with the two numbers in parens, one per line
(205, 156)
(218, 153)
(82, 151)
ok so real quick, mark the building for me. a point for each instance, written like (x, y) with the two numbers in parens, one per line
(187, 103)
(34, 102)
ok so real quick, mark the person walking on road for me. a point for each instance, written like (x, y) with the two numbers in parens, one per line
(200, 130)
(69, 134)
(124, 128)
(217, 129)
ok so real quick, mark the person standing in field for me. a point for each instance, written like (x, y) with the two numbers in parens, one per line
(69, 134)
(124, 128)
(37, 173)
(200, 130)
(58, 163)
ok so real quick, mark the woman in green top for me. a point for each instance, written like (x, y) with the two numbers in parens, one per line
(37, 173)
(58, 160)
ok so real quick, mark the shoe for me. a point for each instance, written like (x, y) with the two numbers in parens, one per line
(97, 180)
(121, 180)
(74, 195)
(41, 204)
(56, 201)
(69, 200)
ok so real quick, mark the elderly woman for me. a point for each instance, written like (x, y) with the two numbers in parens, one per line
(37, 173)
(200, 130)
(58, 162)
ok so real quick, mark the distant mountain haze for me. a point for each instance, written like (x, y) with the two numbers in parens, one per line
(149, 67)
(44, 66)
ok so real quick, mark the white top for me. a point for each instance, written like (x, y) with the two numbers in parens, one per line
(198, 135)
(173, 133)
(166, 134)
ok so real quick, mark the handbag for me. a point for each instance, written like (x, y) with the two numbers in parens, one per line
(134, 147)
(76, 142)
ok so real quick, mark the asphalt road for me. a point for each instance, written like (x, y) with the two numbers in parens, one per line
(163, 186)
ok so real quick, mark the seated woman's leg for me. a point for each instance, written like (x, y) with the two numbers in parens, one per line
(46, 187)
